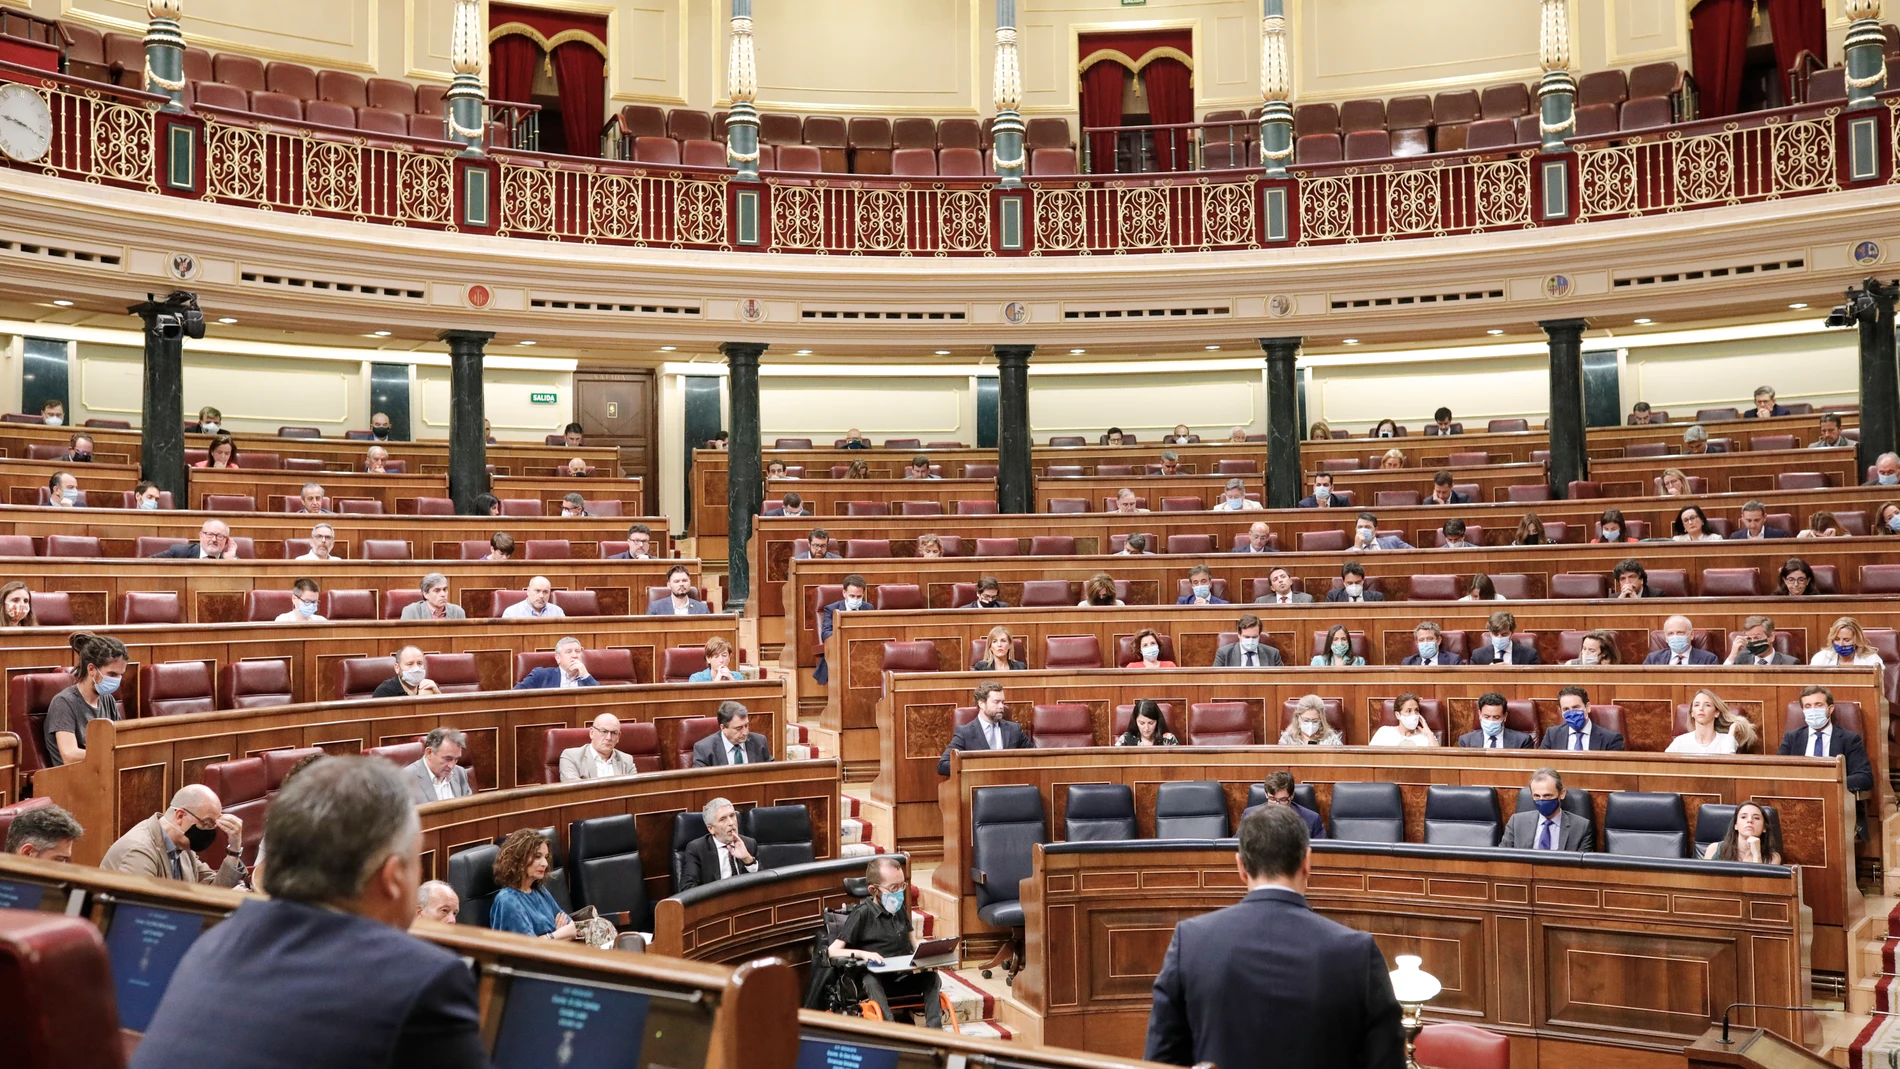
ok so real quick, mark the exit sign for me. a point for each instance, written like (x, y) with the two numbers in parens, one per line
(542, 398)
(1134, 3)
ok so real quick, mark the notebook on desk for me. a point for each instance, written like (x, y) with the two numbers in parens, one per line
(930, 954)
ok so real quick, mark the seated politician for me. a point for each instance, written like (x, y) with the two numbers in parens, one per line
(524, 905)
(437, 901)
(1753, 836)
(214, 543)
(1549, 826)
(1281, 592)
(1492, 734)
(880, 928)
(1278, 786)
(853, 601)
(1578, 732)
(600, 758)
(438, 776)
(1309, 726)
(435, 603)
(411, 679)
(988, 594)
(569, 669)
(1147, 726)
(1200, 588)
(1823, 738)
(734, 743)
(1678, 632)
(991, 730)
(721, 853)
(323, 974)
(639, 543)
(679, 600)
(538, 605)
(1001, 646)
(1352, 585)
(1322, 495)
(1247, 650)
(1428, 640)
(718, 663)
(165, 845)
(1504, 647)
(46, 832)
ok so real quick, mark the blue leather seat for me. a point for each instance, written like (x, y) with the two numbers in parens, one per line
(1645, 824)
(1461, 816)
(1368, 813)
(1191, 810)
(1099, 813)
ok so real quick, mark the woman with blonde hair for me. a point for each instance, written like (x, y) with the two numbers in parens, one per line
(1320, 432)
(1847, 645)
(1674, 483)
(1714, 728)
(1001, 649)
(1393, 459)
(1309, 726)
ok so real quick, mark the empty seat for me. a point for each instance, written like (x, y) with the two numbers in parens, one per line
(1462, 816)
(1319, 118)
(1318, 148)
(960, 134)
(1826, 85)
(1360, 115)
(1772, 441)
(1579, 585)
(899, 596)
(1045, 593)
(1505, 101)
(1006, 824)
(230, 68)
(1596, 120)
(1191, 810)
(1220, 724)
(1061, 724)
(604, 868)
(1320, 541)
(390, 94)
(218, 95)
(1368, 145)
(291, 79)
(1052, 546)
(149, 607)
(1052, 161)
(171, 688)
(358, 677)
(1462, 1045)
(998, 547)
(684, 124)
(658, 150)
(784, 834)
(914, 162)
(1099, 812)
(918, 655)
(263, 606)
(967, 507)
(57, 982)
(1071, 651)
(330, 113)
(1487, 134)
(1645, 824)
(960, 162)
(1731, 582)
(869, 139)
(386, 549)
(254, 684)
(1368, 813)
(277, 106)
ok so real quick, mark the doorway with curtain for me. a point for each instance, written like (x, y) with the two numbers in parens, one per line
(1745, 50)
(1136, 78)
(557, 61)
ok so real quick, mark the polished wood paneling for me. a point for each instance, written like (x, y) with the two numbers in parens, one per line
(776, 917)
(398, 493)
(827, 497)
(1625, 956)
(619, 407)
(133, 766)
(22, 480)
(337, 454)
(9, 768)
(1151, 488)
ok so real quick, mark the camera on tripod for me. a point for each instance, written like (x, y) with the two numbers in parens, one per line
(181, 319)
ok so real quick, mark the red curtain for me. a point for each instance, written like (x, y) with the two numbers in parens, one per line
(1102, 106)
(511, 68)
(1170, 100)
(579, 73)
(1798, 25)
(1719, 43)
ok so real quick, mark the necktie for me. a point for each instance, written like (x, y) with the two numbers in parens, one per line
(738, 754)
(1576, 739)
(1543, 836)
(1491, 743)
(1817, 745)
(1681, 658)
(1250, 663)
(989, 735)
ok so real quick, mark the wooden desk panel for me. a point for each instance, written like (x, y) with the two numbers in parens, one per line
(9, 768)
(314, 650)
(771, 918)
(1526, 947)
(1816, 812)
(1094, 489)
(132, 767)
(1493, 481)
(825, 498)
(629, 492)
(213, 591)
(22, 480)
(1727, 473)
(432, 537)
(337, 454)
(653, 800)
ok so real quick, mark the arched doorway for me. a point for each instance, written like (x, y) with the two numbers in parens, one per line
(558, 61)
(1139, 78)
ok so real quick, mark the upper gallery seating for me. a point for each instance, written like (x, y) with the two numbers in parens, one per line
(1812, 81)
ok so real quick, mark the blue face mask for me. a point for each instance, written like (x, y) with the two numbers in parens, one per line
(1546, 807)
(893, 901)
(1889, 480)
(108, 684)
(1492, 728)
(1500, 643)
(1816, 718)
(306, 608)
(1678, 643)
(71, 497)
(148, 504)
(1203, 591)
(1844, 650)
(1893, 522)
(1428, 650)
(1574, 719)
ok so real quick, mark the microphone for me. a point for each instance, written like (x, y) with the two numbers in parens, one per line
(1764, 1006)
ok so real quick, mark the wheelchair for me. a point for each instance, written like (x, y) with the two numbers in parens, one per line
(837, 984)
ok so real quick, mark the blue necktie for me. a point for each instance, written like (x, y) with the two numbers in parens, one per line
(1817, 745)
(1576, 740)
(1543, 837)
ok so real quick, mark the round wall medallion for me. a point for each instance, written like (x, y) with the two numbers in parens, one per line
(752, 310)
(1557, 287)
(1016, 313)
(1279, 306)
(1867, 252)
(478, 296)
(182, 266)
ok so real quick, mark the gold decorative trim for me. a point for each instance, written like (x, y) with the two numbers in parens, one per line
(1104, 55)
(548, 44)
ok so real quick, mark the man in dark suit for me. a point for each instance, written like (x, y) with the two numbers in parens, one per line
(1632, 581)
(1443, 494)
(1492, 734)
(1549, 826)
(330, 944)
(1821, 738)
(1268, 982)
(1755, 644)
(1352, 585)
(989, 731)
(1200, 588)
(1578, 731)
(1504, 647)
(1258, 540)
(569, 669)
(1677, 632)
(1765, 405)
(721, 853)
(679, 600)
(734, 743)
(214, 543)
(1322, 495)
(1248, 651)
(1281, 592)
(818, 545)
(1429, 642)
(639, 544)
(1755, 524)
(1278, 787)
(853, 601)
(987, 594)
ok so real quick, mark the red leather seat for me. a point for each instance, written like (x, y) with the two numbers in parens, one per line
(1046, 593)
(359, 506)
(641, 741)
(245, 786)
(16, 546)
(920, 508)
(960, 163)
(245, 72)
(277, 105)
(1368, 145)
(347, 605)
(330, 113)
(475, 548)
(1052, 546)
(455, 673)
(1528, 492)
(395, 601)
(1321, 541)
(171, 688)
(1579, 488)
(1772, 441)
(1318, 148)
(1874, 579)
(1646, 449)
(1394, 498)
(1219, 724)
(677, 663)
(1515, 586)
(358, 677)
(867, 548)
(386, 549)
(910, 656)
(149, 607)
(1190, 543)
(659, 150)
(28, 695)
(547, 549)
(692, 730)
(867, 508)
(914, 162)
(73, 546)
(53, 608)
(1072, 651)
(1052, 161)
(578, 602)
(1117, 542)
(1670, 582)
(1462, 1046)
(146, 546)
(522, 507)
(966, 507)
(292, 79)
(263, 606)
(1802, 480)
(1716, 415)
(1061, 724)
(560, 740)
(1435, 588)
(434, 506)
(997, 547)
(1182, 504)
(254, 684)
(612, 667)
(56, 993)
(899, 596)
(1731, 582)
(979, 471)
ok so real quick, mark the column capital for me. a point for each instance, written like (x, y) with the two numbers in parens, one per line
(477, 339)
(742, 352)
(1554, 327)
(1013, 354)
(1277, 348)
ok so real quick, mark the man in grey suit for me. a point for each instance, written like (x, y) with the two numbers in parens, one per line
(818, 544)
(1549, 826)
(1281, 582)
(600, 758)
(1269, 966)
(989, 731)
(438, 775)
(680, 600)
(1755, 644)
(733, 743)
(1249, 652)
(435, 604)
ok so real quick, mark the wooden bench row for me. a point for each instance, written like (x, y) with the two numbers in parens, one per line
(335, 454)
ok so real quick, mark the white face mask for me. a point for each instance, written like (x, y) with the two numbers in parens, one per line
(148, 504)
(1150, 652)
(1408, 721)
(209, 427)
(54, 421)
(1586, 657)
(1322, 492)
(853, 604)
(1309, 727)
(414, 676)
(1354, 590)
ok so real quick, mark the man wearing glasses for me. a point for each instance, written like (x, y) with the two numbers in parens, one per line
(639, 544)
(165, 846)
(214, 543)
(600, 758)
(303, 604)
(322, 543)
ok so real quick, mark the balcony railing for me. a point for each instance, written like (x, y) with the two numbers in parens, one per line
(107, 135)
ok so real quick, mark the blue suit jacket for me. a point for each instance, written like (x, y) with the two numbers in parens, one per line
(550, 679)
(1315, 827)
(1211, 600)
(306, 972)
(664, 607)
(822, 673)
(1271, 967)
(1696, 656)
(1445, 657)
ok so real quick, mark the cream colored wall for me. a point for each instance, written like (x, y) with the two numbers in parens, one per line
(1820, 369)
(894, 57)
(506, 399)
(1476, 390)
(256, 395)
(1147, 405)
(933, 409)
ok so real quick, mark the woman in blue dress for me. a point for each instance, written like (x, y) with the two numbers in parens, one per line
(523, 905)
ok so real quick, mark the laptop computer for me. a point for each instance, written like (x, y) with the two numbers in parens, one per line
(930, 954)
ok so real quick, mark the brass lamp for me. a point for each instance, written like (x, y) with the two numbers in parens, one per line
(1413, 987)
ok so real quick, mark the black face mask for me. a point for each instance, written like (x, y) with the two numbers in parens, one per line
(1759, 648)
(199, 838)
(381, 433)
(82, 458)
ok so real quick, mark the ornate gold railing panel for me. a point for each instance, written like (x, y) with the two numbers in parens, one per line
(1707, 165)
(631, 205)
(1384, 201)
(284, 167)
(904, 218)
(1125, 216)
(97, 138)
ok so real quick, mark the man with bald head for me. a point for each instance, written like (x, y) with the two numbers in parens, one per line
(1678, 632)
(214, 543)
(411, 679)
(1259, 540)
(601, 757)
(436, 901)
(165, 845)
(539, 604)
